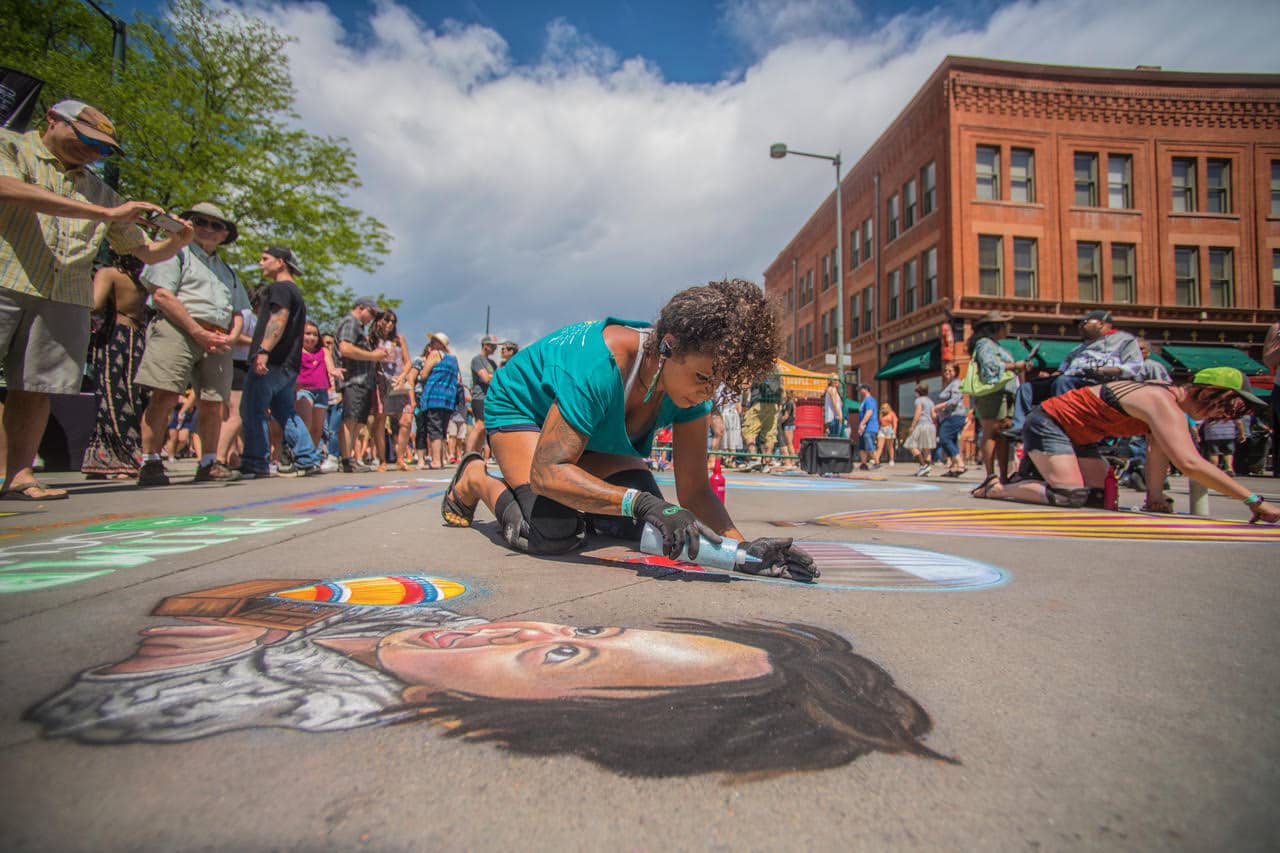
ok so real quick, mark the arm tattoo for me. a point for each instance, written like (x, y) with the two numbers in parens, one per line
(275, 328)
(556, 473)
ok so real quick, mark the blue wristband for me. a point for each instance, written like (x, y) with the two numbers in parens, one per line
(1253, 500)
(628, 497)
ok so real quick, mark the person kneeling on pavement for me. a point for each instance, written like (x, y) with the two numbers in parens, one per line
(572, 417)
(1061, 436)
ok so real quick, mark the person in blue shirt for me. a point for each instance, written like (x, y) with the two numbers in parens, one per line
(571, 419)
(868, 428)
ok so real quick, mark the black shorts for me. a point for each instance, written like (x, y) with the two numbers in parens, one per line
(1219, 446)
(239, 370)
(477, 408)
(357, 402)
(437, 422)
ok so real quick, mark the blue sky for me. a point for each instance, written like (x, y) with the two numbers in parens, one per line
(571, 160)
(692, 41)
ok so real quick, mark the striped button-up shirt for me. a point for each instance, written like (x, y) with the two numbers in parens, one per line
(52, 256)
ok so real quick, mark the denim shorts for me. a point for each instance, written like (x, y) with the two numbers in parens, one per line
(319, 397)
(1042, 433)
(868, 441)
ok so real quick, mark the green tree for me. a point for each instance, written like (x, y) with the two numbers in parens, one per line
(205, 109)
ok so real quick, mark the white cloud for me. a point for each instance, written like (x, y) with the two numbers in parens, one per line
(584, 186)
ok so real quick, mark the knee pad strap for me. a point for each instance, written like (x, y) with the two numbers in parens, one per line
(1060, 496)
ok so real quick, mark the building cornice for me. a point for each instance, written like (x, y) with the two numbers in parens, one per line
(1129, 105)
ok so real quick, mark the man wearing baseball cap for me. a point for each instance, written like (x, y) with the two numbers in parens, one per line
(54, 215)
(1104, 354)
(482, 368)
(360, 364)
(200, 300)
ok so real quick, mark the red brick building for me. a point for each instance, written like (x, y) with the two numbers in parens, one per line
(1046, 191)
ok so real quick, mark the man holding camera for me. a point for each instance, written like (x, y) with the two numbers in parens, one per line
(199, 298)
(54, 215)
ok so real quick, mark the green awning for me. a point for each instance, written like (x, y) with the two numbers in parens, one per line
(1015, 348)
(1051, 353)
(916, 359)
(1161, 360)
(1192, 357)
(1263, 393)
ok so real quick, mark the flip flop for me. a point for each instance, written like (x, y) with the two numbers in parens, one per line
(454, 512)
(23, 493)
(984, 486)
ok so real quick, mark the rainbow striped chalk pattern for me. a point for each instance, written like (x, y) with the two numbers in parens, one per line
(1064, 524)
(382, 590)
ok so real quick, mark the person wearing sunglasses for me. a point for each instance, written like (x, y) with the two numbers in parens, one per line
(201, 303)
(55, 214)
(1061, 436)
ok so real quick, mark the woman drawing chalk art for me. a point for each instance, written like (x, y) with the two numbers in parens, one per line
(684, 697)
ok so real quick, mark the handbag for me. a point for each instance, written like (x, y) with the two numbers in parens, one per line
(973, 385)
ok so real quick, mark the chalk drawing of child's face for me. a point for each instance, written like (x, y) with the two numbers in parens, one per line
(541, 660)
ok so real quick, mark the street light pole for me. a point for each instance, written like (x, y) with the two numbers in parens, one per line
(779, 150)
(119, 37)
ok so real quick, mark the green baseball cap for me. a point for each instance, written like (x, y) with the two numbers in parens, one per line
(1230, 378)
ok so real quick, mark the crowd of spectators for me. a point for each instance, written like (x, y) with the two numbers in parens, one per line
(186, 360)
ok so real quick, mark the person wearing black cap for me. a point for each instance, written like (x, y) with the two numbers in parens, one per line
(360, 362)
(274, 358)
(55, 213)
(1105, 354)
(200, 300)
(482, 369)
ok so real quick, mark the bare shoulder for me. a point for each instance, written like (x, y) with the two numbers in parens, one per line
(623, 343)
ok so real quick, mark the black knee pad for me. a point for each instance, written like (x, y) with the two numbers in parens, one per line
(1059, 496)
(618, 526)
(536, 524)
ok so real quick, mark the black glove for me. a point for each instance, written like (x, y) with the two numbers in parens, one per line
(779, 560)
(678, 526)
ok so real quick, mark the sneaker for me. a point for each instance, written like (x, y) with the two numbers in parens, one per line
(862, 467)
(925, 470)
(283, 468)
(152, 474)
(216, 472)
(254, 475)
(307, 470)
(351, 466)
(329, 465)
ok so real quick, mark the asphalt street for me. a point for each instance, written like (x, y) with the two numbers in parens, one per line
(292, 664)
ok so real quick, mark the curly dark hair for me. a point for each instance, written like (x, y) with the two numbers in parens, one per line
(730, 320)
(820, 706)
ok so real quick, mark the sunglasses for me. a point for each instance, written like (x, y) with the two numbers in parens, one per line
(102, 148)
(211, 224)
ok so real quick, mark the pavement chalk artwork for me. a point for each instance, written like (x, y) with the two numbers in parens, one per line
(849, 566)
(685, 697)
(1037, 523)
(773, 483)
(102, 548)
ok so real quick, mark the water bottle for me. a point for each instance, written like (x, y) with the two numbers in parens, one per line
(726, 555)
(1111, 490)
(717, 480)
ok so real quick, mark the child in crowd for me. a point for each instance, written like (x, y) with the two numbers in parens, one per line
(315, 381)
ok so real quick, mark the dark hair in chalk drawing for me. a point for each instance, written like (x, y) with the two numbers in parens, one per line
(731, 320)
(820, 706)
